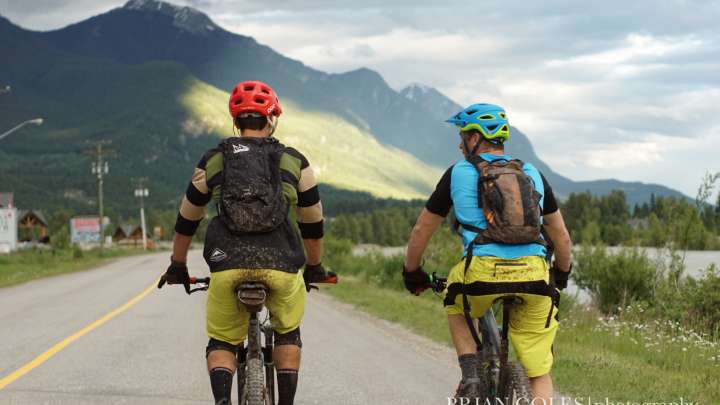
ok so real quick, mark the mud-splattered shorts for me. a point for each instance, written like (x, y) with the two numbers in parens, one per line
(528, 333)
(228, 322)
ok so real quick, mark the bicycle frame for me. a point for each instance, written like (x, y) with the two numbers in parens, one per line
(494, 348)
(252, 296)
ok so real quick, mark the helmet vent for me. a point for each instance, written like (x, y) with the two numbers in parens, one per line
(238, 101)
(486, 117)
(264, 90)
(471, 112)
(248, 88)
(259, 100)
(491, 127)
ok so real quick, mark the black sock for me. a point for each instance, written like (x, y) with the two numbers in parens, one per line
(469, 366)
(221, 383)
(287, 385)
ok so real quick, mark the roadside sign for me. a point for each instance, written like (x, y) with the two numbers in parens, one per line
(85, 230)
(8, 230)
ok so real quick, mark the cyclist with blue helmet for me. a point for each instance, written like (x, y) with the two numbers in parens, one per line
(501, 205)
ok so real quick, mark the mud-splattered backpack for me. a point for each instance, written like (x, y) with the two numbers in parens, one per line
(509, 201)
(251, 195)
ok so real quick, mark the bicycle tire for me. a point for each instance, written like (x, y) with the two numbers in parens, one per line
(255, 383)
(515, 384)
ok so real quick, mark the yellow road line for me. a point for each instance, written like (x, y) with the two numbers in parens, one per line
(75, 336)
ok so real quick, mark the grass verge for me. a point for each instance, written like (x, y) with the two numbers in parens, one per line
(596, 357)
(23, 266)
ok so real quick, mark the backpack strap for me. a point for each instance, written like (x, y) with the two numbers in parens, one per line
(466, 302)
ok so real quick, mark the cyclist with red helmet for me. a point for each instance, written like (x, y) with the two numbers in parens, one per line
(267, 200)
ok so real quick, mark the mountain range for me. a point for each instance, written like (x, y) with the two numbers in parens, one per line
(152, 78)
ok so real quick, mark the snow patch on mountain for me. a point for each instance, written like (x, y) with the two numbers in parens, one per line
(186, 18)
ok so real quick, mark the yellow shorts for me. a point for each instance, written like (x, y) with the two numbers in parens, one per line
(228, 322)
(528, 333)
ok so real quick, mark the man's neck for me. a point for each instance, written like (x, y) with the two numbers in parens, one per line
(492, 151)
(254, 133)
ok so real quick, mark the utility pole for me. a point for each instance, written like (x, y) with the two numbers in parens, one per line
(100, 167)
(142, 192)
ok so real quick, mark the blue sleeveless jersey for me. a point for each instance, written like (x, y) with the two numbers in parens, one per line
(464, 194)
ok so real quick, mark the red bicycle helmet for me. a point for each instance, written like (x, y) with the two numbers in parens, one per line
(254, 97)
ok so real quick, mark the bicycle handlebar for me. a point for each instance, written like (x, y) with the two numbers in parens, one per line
(437, 284)
(205, 283)
(195, 280)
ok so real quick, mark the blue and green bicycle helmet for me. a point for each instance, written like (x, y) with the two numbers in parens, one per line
(488, 119)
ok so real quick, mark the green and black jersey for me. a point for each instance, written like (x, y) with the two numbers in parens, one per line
(280, 249)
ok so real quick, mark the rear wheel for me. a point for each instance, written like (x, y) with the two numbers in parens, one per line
(515, 384)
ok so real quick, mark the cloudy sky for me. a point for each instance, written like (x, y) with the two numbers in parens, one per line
(628, 90)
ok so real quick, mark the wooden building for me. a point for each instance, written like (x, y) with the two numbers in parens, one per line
(32, 226)
(130, 235)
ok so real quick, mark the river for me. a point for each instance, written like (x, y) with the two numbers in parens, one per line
(696, 261)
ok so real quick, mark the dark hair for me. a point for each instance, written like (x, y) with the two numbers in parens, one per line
(494, 144)
(254, 123)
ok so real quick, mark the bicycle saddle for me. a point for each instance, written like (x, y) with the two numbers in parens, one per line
(252, 293)
(510, 299)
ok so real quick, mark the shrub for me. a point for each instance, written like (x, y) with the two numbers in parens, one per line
(704, 300)
(615, 280)
(77, 252)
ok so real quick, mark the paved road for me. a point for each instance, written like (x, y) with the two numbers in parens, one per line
(153, 353)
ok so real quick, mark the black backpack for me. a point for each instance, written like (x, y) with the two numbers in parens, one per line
(251, 196)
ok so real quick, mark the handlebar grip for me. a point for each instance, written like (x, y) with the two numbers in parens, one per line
(161, 283)
(331, 279)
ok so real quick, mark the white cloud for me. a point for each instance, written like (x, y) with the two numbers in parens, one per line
(635, 47)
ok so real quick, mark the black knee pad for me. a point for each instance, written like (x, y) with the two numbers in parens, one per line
(290, 338)
(215, 344)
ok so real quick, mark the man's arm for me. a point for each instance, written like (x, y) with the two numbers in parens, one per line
(181, 245)
(310, 213)
(555, 226)
(192, 212)
(436, 209)
(313, 251)
(427, 223)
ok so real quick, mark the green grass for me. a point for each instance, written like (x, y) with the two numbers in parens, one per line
(639, 361)
(618, 359)
(27, 265)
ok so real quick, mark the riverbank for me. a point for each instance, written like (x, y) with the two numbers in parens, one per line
(696, 261)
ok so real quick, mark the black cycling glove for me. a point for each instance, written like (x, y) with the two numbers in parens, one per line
(416, 281)
(560, 277)
(177, 273)
(315, 273)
